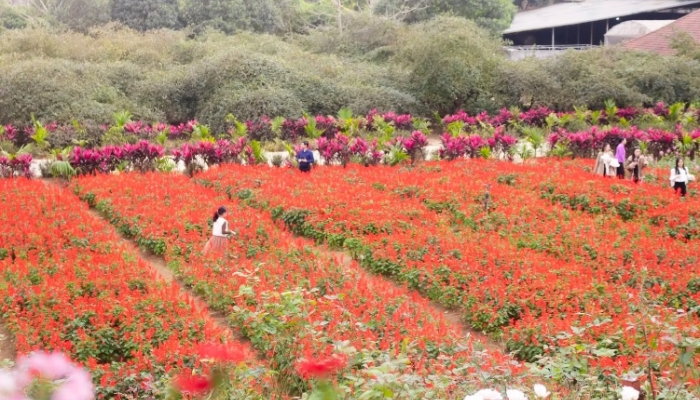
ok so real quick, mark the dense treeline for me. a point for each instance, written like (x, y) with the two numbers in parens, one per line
(439, 65)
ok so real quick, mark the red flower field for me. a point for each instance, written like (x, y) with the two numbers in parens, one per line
(68, 285)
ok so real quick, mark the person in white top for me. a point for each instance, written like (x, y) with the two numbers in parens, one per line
(220, 233)
(602, 163)
(680, 177)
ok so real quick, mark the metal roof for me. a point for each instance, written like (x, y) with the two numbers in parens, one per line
(565, 14)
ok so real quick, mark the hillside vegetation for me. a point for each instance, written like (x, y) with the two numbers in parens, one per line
(386, 60)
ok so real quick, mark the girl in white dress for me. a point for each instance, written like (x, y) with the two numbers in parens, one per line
(220, 231)
(680, 177)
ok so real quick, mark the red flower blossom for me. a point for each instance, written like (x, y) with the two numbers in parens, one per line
(193, 384)
(320, 368)
(223, 353)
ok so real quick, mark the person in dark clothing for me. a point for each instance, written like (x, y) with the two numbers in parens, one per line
(305, 157)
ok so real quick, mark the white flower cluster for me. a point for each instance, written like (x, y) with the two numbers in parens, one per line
(511, 394)
(628, 393)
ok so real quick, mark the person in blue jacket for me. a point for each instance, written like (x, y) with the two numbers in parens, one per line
(305, 157)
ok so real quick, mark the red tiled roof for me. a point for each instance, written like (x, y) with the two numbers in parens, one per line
(659, 41)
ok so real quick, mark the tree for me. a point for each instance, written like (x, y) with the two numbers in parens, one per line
(229, 16)
(494, 15)
(452, 64)
(81, 15)
(145, 15)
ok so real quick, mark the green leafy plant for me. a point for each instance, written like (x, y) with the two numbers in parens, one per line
(397, 156)
(348, 123)
(162, 137)
(561, 150)
(258, 152)
(276, 125)
(421, 124)
(456, 128)
(59, 165)
(485, 152)
(611, 110)
(535, 137)
(201, 133)
(675, 112)
(311, 128)
(122, 118)
(41, 135)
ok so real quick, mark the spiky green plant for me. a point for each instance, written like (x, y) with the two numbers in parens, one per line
(561, 150)
(312, 131)
(535, 137)
(41, 134)
(122, 118)
(348, 123)
(345, 113)
(456, 128)
(421, 124)
(396, 156)
(201, 133)
(522, 150)
(485, 152)
(162, 137)
(26, 149)
(276, 125)
(59, 166)
(552, 121)
(611, 110)
(258, 152)
(581, 113)
(685, 143)
(675, 112)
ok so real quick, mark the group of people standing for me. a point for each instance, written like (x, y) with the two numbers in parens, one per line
(632, 167)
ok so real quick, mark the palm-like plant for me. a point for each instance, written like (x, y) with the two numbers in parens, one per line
(312, 132)
(258, 152)
(456, 128)
(685, 143)
(581, 113)
(552, 121)
(59, 165)
(535, 137)
(611, 110)
(421, 124)
(561, 150)
(41, 135)
(122, 118)
(522, 150)
(24, 150)
(385, 130)
(276, 126)
(675, 112)
(485, 153)
(348, 123)
(397, 155)
(202, 133)
(162, 137)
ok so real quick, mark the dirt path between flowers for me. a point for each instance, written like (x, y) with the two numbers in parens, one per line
(7, 344)
(451, 316)
(160, 267)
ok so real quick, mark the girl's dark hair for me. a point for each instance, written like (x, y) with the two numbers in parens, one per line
(678, 169)
(219, 213)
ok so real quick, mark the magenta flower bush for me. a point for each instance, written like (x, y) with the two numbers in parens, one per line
(143, 155)
(336, 149)
(19, 165)
(414, 145)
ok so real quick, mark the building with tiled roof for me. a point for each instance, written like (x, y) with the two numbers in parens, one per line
(659, 41)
